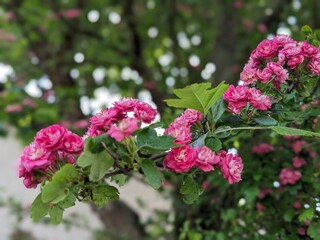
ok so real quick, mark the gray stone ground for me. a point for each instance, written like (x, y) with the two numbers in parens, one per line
(11, 185)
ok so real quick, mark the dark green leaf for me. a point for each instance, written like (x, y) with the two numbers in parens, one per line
(190, 190)
(222, 134)
(153, 175)
(69, 201)
(266, 121)
(213, 143)
(217, 111)
(148, 141)
(293, 131)
(199, 142)
(120, 179)
(200, 97)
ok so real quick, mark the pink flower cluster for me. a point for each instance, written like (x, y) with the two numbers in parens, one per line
(52, 146)
(238, 97)
(289, 176)
(272, 59)
(116, 121)
(185, 157)
(262, 148)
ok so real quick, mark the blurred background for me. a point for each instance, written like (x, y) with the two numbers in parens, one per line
(61, 61)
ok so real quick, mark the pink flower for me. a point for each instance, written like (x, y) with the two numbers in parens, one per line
(263, 192)
(14, 108)
(81, 124)
(124, 129)
(126, 104)
(259, 207)
(191, 116)
(282, 40)
(308, 50)
(236, 97)
(259, 101)
(51, 137)
(29, 102)
(205, 158)
(302, 231)
(267, 49)
(297, 205)
(29, 180)
(291, 49)
(144, 112)
(314, 65)
(180, 159)
(72, 143)
(34, 157)
(180, 132)
(231, 166)
(276, 68)
(264, 75)
(248, 74)
(262, 148)
(289, 176)
(297, 146)
(298, 162)
(70, 13)
(295, 60)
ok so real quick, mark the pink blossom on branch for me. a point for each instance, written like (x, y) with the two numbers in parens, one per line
(231, 166)
(180, 132)
(144, 112)
(236, 97)
(72, 143)
(267, 49)
(124, 129)
(205, 158)
(180, 159)
(51, 137)
(191, 116)
(298, 162)
(259, 101)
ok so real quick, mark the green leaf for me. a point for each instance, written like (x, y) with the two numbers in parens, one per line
(200, 97)
(293, 131)
(266, 121)
(102, 193)
(213, 143)
(190, 190)
(100, 166)
(69, 201)
(194, 235)
(306, 214)
(149, 141)
(56, 214)
(57, 189)
(224, 133)
(39, 209)
(94, 144)
(314, 230)
(306, 29)
(217, 111)
(153, 175)
(119, 179)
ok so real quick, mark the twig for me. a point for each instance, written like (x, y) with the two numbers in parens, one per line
(115, 158)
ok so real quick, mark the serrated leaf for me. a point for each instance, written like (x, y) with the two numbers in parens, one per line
(119, 179)
(293, 131)
(102, 193)
(200, 97)
(56, 214)
(39, 209)
(149, 141)
(190, 190)
(266, 121)
(306, 215)
(100, 166)
(153, 175)
(306, 29)
(200, 141)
